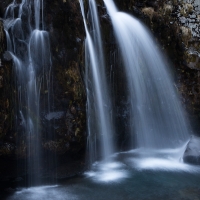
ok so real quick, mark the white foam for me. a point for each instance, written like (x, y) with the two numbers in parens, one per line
(108, 172)
(163, 159)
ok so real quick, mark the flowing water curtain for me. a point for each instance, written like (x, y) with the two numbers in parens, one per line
(156, 114)
(29, 47)
(100, 127)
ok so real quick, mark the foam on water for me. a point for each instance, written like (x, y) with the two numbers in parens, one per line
(108, 172)
(164, 160)
(51, 192)
(140, 159)
(38, 190)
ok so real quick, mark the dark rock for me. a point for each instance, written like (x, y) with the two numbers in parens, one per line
(192, 152)
(18, 179)
(7, 56)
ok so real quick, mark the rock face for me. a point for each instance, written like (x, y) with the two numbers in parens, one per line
(68, 119)
(7, 132)
(192, 152)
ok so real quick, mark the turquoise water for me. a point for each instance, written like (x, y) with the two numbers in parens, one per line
(134, 175)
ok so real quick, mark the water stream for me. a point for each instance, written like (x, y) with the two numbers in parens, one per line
(100, 125)
(28, 44)
(157, 118)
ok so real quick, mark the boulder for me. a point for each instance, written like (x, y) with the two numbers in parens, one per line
(192, 152)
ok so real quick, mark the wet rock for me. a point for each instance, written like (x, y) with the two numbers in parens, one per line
(6, 91)
(167, 9)
(68, 170)
(18, 179)
(186, 34)
(7, 56)
(54, 115)
(192, 152)
(149, 12)
(187, 9)
(73, 110)
(60, 147)
(7, 149)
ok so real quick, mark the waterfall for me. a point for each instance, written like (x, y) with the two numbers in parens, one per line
(29, 47)
(157, 118)
(100, 126)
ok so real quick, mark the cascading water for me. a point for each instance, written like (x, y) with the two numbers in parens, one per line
(129, 175)
(99, 105)
(156, 114)
(28, 45)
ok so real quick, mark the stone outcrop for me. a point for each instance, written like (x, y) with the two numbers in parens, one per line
(192, 152)
(65, 26)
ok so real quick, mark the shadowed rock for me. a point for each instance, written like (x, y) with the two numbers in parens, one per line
(192, 152)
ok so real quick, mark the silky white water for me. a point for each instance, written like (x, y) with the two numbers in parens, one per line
(28, 44)
(100, 128)
(157, 118)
